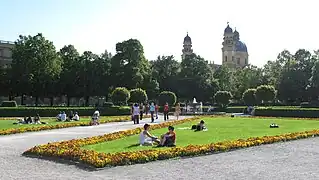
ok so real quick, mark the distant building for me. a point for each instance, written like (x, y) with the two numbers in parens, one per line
(234, 51)
(5, 52)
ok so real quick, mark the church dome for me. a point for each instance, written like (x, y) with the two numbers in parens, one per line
(240, 47)
(228, 29)
(187, 39)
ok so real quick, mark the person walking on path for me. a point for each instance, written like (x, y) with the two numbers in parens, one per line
(152, 111)
(156, 110)
(142, 109)
(177, 110)
(166, 111)
(136, 113)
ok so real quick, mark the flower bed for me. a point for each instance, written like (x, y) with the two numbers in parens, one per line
(71, 150)
(62, 125)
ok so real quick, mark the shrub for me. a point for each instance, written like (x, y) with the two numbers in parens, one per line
(287, 112)
(138, 95)
(249, 97)
(167, 97)
(120, 96)
(265, 93)
(108, 104)
(222, 98)
(53, 111)
(9, 104)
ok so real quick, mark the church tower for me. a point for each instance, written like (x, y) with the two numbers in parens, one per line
(187, 46)
(234, 51)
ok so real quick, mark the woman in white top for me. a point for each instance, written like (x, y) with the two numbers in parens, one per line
(136, 113)
(76, 117)
(146, 139)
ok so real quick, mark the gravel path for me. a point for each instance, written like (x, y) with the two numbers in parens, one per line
(290, 160)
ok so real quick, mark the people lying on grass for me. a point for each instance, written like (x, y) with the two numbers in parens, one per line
(21, 121)
(76, 117)
(70, 116)
(29, 120)
(146, 138)
(37, 119)
(200, 126)
(58, 117)
(169, 138)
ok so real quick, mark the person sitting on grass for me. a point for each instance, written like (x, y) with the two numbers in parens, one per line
(76, 117)
(95, 118)
(169, 138)
(63, 116)
(29, 120)
(200, 126)
(37, 119)
(58, 117)
(146, 138)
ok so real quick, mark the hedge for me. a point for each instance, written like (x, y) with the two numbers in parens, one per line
(53, 111)
(235, 109)
(287, 112)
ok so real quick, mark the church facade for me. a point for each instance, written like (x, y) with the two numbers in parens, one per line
(234, 51)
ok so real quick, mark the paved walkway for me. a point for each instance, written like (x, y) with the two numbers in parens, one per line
(291, 160)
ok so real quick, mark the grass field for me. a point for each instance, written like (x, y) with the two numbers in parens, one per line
(7, 123)
(219, 129)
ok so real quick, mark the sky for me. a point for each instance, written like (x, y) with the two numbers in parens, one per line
(266, 27)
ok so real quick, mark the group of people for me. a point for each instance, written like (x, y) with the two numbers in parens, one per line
(166, 140)
(29, 120)
(138, 110)
(72, 117)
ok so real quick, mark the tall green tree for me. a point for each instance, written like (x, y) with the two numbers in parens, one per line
(35, 66)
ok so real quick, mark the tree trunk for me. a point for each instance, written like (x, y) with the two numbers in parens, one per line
(36, 100)
(51, 101)
(22, 99)
(87, 100)
(68, 101)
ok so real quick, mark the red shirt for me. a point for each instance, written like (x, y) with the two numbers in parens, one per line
(166, 107)
(172, 135)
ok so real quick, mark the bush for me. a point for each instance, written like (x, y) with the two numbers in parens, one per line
(53, 111)
(138, 95)
(265, 93)
(249, 97)
(167, 97)
(309, 104)
(108, 104)
(288, 112)
(9, 104)
(120, 96)
(222, 98)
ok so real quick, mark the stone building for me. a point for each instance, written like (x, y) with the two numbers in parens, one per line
(187, 46)
(234, 51)
(5, 52)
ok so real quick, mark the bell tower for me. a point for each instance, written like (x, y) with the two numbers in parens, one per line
(187, 46)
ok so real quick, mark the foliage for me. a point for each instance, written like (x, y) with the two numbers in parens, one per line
(265, 93)
(167, 97)
(71, 150)
(222, 98)
(249, 97)
(54, 111)
(288, 112)
(120, 96)
(9, 104)
(138, 95)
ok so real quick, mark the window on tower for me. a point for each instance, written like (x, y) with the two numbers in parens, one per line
(225, 58)
(233, 58)
(246, 61)
(238, 60)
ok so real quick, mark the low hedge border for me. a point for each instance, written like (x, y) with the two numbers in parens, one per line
(53, 111)
(62, 125)
(71, 150)
(287, 112)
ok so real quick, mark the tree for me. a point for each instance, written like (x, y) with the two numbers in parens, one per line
(35, 66)
(265, 93)
(138, 95)
(167, 97)
(197, 74)
(128, 65)
(249, 97)
(314, 80)
(120, 96)
(222, 98)
(70, 74)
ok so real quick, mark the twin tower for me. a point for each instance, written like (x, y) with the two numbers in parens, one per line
(234, 51)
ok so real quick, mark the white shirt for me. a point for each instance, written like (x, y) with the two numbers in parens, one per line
(76, 117)
(97, 113)
(63, 117)
(136, 111)
(144, 138)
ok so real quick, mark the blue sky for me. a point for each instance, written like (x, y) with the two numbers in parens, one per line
(267, 27)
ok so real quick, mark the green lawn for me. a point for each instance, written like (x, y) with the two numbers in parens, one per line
(8, 122)
(219, 129)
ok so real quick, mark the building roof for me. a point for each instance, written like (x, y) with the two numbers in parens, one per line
(240, 46)
(187, 39)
